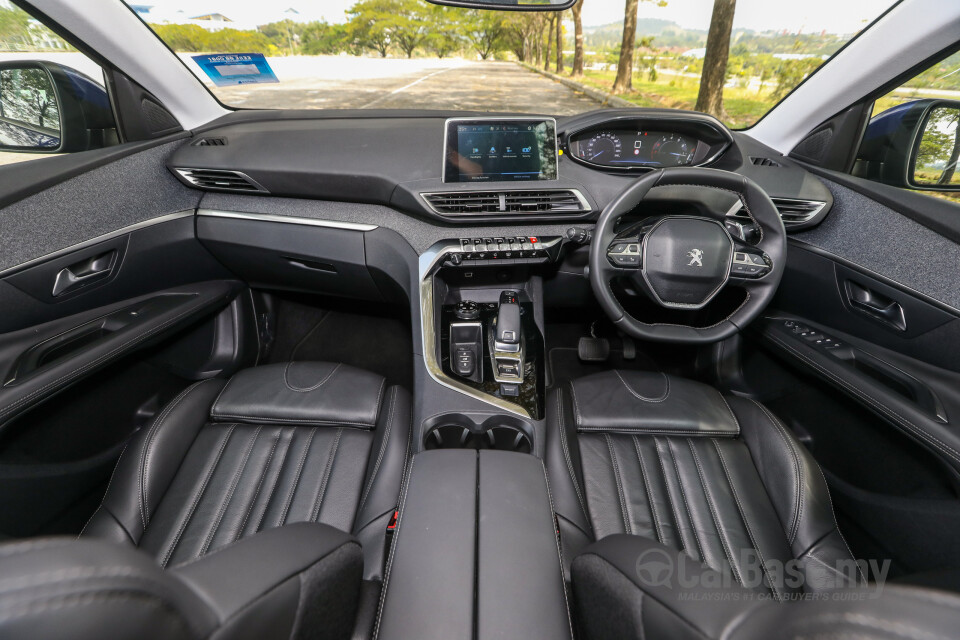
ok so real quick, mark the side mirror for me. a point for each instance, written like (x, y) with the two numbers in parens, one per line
(934, 162)
(509, 5)
(49, 108)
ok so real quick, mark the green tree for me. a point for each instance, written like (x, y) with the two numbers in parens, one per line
(14, 29)
(444, 33)
(791, 73)
(410, 25)
(370, 23)
(486, 31)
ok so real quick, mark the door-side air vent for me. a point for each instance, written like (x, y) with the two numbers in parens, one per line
(792, 212)
(764, 162)
(211, 142)
(478, 203)
(220, 180)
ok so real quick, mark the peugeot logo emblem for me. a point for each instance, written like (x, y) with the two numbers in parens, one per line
(696, 258)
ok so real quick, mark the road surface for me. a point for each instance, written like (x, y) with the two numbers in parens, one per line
(370, 83)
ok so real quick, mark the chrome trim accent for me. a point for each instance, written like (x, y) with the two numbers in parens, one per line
(734, 211)
(101, 238)
(584, 204)
(182, 172)
(428, 261)
(446, 128)
(269, 217)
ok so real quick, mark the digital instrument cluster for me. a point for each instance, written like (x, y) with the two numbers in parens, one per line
(623, 148)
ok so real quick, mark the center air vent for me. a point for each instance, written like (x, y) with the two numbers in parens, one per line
(218, 141)
(220, 180)
(478, 203)
(792, 212)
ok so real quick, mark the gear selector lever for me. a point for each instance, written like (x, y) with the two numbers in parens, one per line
(508, 323)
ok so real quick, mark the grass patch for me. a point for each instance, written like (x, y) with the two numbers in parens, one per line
(743, 106)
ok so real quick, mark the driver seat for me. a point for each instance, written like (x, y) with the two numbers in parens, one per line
(718, 478)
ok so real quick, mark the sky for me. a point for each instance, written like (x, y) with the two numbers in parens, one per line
(835, 16)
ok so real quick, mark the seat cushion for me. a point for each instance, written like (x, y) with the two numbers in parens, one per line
(724, 481)
(225, 460)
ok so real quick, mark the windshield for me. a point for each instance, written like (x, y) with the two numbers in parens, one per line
(397, 54)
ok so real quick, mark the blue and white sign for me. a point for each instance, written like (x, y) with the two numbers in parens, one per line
(227, 69)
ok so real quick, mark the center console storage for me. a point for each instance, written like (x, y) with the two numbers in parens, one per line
(478, 431)
(475, 552)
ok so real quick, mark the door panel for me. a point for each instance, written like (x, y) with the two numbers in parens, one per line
(860, 355)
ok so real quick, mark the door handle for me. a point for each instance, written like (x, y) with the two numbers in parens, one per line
(876, 305)
(84, 272)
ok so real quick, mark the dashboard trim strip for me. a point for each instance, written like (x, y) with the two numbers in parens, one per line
(268, 217)
(101, 238)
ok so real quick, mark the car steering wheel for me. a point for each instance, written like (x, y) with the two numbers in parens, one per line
(682, 262)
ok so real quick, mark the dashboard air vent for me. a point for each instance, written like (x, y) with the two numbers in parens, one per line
(544, 201)
(211, 142)
(220, 180)
(792, 212)
(764, 162)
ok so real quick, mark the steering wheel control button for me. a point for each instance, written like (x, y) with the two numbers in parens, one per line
(748, 265)
(687, 260)
(624, 254)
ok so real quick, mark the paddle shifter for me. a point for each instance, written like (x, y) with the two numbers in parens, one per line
(507, 352)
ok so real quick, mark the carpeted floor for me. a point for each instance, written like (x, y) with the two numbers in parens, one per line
(378, 343)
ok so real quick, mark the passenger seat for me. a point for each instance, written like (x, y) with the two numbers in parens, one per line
(274, 445)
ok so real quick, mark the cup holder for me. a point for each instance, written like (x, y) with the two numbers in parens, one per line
(459, 431)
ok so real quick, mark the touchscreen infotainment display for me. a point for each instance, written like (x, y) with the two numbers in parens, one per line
(500, 150)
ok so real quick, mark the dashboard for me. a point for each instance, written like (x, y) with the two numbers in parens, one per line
(569, 167)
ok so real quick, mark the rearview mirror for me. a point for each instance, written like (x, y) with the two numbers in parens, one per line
(509, 5)
(937, 150)
(49, 108)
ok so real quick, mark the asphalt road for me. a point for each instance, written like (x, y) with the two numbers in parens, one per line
(454, 85)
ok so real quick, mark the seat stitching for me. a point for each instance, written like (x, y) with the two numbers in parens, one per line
(197, 496)
(331, 458)
(144, 453)
(393, 547)
(566, 456)
(686, 503)
(576, 407)
(890, 413)
(836, 526)
(228, 497)
(627, 527)
(380, 454)
(713, 512)
(263, 476)
(107, 492)
(276, 481)
(658, 529)
(366, 425)
(732, 414)
(746, 523)
(635, 394)
(555, 525)
(798, 489)
(296, 479)
(286, 380)
(666, 484)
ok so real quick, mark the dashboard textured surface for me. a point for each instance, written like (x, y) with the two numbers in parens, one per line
(925, 261)
(105, 199)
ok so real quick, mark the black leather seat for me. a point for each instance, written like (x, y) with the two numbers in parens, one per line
(299, 581)
(276, 444)
(674, 461)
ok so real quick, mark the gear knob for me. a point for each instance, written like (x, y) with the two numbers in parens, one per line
(508, 321)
